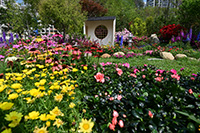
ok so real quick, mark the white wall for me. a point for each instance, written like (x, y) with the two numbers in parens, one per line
(90, 27)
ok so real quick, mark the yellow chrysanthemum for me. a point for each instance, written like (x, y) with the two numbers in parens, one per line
(51, 117)
(74, 70)
(33, 115)
(19, 78)
(58, 123)
(6, 105)
(34, 92)
(56, 112)
(40, 130)
(86, 126)
(16, 86)
(42, 82)
(14, 116)
(7, 130)
(71, 105)
(13, 96)
(58, 97)
(2, 87)
(43, 117)
(48, 123)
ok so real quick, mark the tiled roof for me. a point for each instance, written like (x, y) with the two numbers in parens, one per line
(101, 18)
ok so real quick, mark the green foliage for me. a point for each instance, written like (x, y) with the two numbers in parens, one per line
(65, 15)
(138, 27)
(189, 13)
(123, 10)
(149, 24)
(17, 19)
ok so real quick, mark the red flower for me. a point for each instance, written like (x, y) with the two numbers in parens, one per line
(114, 120)
(150, 114)
(190, 91)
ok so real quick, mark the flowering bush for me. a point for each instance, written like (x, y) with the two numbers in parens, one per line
(166, 32)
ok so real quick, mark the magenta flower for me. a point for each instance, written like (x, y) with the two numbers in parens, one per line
(182, 69)
(173, 71)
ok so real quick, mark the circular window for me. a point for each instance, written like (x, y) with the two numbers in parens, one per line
(101, 32)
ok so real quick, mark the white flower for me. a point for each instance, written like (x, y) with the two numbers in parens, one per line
(13, 58)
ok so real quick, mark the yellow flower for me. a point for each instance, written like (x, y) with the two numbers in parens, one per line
(43, 117)
(51, 117)
(7, 130)
(37, 84)
(37, 75)
(74, 70)
(52, 77)
(56, 112)
(19, 90)
(33, 115)
(65, 70)
(13, 124)
(41, 88)
(84, 110)
(32, 78)
(13, 96)
(58, 97)
(34, 92)
(43, 74)
(14, 116)
(2, 87)
(71, 105)
(48, 123)
(58, 123)
(6, 105)
(19, 78)
(71, 93)
(42, 82)
(85, 68)
(16, 86)
(86, 126)
(40, 130)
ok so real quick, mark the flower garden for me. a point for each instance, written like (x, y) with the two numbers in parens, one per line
(47, 85)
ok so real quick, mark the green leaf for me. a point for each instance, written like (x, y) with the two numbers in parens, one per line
(192, 117)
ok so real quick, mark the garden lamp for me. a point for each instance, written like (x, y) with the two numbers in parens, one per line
(130, 40)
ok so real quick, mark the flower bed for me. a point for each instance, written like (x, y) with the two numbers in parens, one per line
(51, 86)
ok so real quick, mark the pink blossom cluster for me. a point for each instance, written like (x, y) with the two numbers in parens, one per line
(114, 121)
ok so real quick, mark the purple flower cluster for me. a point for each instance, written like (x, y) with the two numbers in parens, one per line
(130, 55)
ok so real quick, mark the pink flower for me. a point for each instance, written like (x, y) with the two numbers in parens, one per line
(173, 71)
(159, 79)
(99, 77)
(133, 75)
(111, 98)
(115, 113)
(176, 76)
(119, 71)
(119, 97)
(192, 78)
(136, 70)
(114, 120)
(145, 65)
(112, 127)
(121, 123)
(150, 114)
(124, 115)
(143, 76)
(190, 91)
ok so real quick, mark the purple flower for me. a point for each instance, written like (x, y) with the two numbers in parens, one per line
(182, 69)
(1, 56)
(182, 33)
(190, 33)
(194, 74)
(16, 46)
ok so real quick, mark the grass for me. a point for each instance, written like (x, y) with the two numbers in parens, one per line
(190, 66)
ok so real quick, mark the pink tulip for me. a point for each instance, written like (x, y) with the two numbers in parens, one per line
(121, 123)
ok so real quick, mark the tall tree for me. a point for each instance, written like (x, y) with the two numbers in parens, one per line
(65, 15)
(93, 9)
(17, 18)
(189, 14)
(124, 10)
